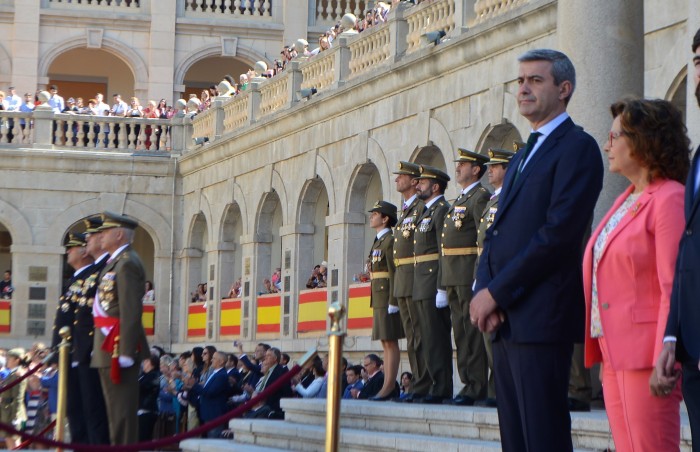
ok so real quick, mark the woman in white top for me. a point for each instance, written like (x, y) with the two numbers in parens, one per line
(312, 390)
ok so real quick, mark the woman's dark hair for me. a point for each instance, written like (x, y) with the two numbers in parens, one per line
(197, 356)
(318, 367)
(657, 136)
(392, 220)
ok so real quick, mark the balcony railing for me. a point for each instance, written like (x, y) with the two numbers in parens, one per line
(223, 9)
(120, 6)
(329, 12)
(488, 9)
(429, 16)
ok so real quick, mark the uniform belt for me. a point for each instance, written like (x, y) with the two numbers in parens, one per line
(379, 275)
(399, 261)
(426, 258)
(460, 251)
(479, 250)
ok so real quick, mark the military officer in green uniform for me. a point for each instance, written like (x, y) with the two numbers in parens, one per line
(497, 165)
(406, 182)
(120, 340)
(457, 258)
(386, 325)
(428, 292)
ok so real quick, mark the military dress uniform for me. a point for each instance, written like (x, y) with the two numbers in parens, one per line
(12, 407)
(403, 285)
(458, 255)
(86, 407)
(119, 334)
(385, 326)
(496, 157)
(435, 325)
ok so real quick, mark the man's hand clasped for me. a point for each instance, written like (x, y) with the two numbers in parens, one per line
(666, 374)
(484, 313)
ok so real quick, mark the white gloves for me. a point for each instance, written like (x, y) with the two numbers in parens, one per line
(125, 361)
(393, 309)
(441, 299)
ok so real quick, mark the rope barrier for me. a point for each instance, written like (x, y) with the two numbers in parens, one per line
(32, 371)
(152, 445)
(41, 433)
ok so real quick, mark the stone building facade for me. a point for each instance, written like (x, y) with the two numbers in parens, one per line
(286, 181)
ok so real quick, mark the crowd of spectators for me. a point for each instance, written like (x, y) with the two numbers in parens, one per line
(199, 295)
(29, 406)
(319, 276)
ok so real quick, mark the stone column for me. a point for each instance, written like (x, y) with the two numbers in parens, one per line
(161, 59)
(297, 240)
(25, 46)
(346, 251)
(605, 41)
(166, 330)
(191, 266)
(295, 16)
(692, 116)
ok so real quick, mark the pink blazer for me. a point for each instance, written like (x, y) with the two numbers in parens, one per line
(635, 276)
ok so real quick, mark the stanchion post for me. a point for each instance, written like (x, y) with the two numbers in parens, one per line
(335, 354)
(63, 368)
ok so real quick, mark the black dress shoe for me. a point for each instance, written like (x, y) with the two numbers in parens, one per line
(578, 405)
(430, 400)
(487, 403)
(381, 399)
(459, 401)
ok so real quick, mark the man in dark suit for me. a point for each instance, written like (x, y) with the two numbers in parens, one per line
(428, 291)
(120, 340)
(372, 365)
(213, 394)
(457, 258)
(406, 182)
(272, 371)
(682, 337)
(529, 286)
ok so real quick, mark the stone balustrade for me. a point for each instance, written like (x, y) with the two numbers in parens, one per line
(426, 17)
(319, 71)
(275, 93)
(228, 8)
(44, 129)
(373, 48)
(488, 9)
(205, 125)
(133, 6)
(329, 12)
(236, 114)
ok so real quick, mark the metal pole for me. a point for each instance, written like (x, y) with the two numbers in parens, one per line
(335, 354)
(63, 369)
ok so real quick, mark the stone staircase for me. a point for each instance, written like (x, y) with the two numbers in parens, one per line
(372, 426)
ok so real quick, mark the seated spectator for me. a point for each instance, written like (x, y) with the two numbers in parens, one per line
(250, 375)
(375, 380)
(405, 384)
(272, 371)
(354, 376)
(235, 291)
(150, 295)
(285, 361)
(313, 389)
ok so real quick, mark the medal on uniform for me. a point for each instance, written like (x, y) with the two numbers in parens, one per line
(65, 307)
(424, 224)
(458, 215)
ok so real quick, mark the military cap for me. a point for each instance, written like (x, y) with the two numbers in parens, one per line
(471, 156)
(75, 239)
(430, 172)
(114, 220)
(93, 223)
(518, 145)
(385, 208)
(408, 168)
(499, 156)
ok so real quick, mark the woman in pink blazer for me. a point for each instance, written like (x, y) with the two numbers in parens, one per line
(628, 272)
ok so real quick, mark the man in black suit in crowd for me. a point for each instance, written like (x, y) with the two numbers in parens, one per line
(374, 383)
(682, 337)
(529, 288)
(272, 371)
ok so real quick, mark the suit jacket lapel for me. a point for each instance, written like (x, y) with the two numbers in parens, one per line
(513, 187)
(691, 201)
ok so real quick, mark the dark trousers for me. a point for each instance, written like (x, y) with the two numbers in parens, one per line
(532, 382)
(77, 421)
(122, 401)
(436, 346)
(472, 364)
(94, 408)
(691, 395)
(580, 377)
(146, 423)
(410, 318)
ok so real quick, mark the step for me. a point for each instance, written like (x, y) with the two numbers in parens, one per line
(304, 437)
(222, 445)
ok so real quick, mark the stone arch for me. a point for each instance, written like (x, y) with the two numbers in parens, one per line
(500, 136)
(150, 220)
(240, 200)
(242, 53)
(268, 221)
(364, 189)
(6, 65)
(677, 91)
(14, 221)
(312, 209)
(430, 155)
(229, 246)
(439, 136)
(122, 51)
(377, 156)
(325, 174)
(197, 238)
(278, 187)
